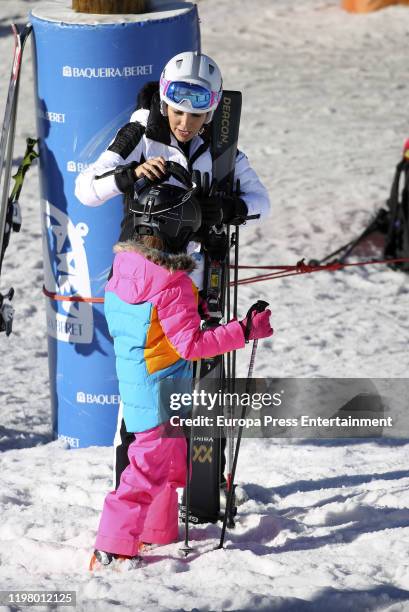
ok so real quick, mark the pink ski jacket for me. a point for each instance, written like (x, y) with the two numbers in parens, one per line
(152, 315)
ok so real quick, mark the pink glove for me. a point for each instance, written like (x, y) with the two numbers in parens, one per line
(260, 325)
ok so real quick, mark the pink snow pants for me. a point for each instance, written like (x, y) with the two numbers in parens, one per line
(144, 506)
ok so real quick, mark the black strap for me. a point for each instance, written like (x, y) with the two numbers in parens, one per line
(179, 173)
(202, 149)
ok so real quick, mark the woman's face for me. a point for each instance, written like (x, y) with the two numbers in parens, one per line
(184, 126)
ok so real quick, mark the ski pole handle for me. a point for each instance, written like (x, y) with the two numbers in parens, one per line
(248, 218)
(259, 306)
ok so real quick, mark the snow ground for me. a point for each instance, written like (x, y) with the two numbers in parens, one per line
(327, 523)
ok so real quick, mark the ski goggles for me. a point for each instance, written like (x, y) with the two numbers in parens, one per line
(199, 97)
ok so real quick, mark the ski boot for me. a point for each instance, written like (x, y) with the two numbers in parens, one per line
(101, 559)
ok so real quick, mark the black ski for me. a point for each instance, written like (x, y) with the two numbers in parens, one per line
(13, 212)
(6, 160)
(225, 136)
(207, 451)
(13, 224)
(9, 124)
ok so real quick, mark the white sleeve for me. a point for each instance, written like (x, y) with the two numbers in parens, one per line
(92, 191)
(253, 192)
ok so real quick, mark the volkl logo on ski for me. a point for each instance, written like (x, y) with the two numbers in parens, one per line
(202, 453)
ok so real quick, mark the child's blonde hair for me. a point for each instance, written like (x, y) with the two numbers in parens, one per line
(149, 242)
(152, 242)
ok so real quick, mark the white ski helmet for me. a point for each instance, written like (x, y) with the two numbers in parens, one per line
(191, 82)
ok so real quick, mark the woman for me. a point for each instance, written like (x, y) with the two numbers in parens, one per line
(171, 124)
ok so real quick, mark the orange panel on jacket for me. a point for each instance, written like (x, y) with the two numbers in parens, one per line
(159, 353)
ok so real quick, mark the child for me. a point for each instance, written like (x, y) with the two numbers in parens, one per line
(152, 314)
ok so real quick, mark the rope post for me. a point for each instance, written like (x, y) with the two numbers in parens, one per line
(89, 70)
(109, 7)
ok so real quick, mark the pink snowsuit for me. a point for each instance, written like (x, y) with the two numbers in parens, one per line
(151, 310)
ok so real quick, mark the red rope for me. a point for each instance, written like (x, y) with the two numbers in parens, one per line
(281, 272)
(263, 267)
(72, 298)
(303, 268)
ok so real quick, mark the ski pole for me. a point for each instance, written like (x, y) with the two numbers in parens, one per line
(186, 549)
(259, 306)
(316, 262)
(375, 224)
(232, 377)
(236, 277)
(228, 311)
(369, 230)
(235, 289)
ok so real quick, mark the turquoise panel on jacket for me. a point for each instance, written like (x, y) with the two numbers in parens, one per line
(145, 397)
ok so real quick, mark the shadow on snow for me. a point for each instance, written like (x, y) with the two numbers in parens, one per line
(15, 439)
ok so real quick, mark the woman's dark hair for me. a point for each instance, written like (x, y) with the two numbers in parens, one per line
(144, 99)
(149, 99)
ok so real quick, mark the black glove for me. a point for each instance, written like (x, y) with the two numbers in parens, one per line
(125, 177)
(223, 209)
(234, 209)
(211, 211)
(210, 203)
(218, 208)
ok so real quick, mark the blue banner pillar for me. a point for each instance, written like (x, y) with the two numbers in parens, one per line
(88, 71)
